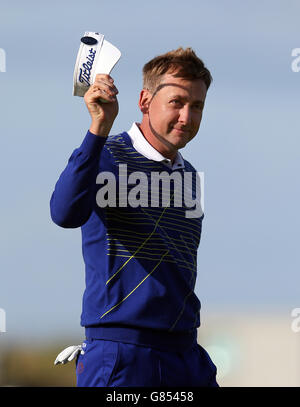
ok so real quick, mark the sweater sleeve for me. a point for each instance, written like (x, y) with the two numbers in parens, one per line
(73, 197)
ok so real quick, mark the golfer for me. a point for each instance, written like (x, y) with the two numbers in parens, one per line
(139, 243)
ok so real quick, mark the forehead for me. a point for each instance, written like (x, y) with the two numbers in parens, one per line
(170, 85)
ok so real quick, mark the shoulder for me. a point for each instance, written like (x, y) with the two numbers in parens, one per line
(188, 166)
(117, 149)
(118, 142)
(117, 139)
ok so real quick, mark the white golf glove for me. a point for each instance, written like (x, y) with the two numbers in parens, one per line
(68, 354)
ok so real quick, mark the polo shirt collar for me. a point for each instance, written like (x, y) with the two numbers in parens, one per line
(142, 146)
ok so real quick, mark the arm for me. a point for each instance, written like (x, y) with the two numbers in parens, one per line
(74, 194)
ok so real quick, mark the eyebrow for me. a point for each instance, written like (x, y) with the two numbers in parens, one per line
(177, 96)
(162, 85)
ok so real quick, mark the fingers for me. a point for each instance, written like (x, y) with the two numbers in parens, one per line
(67, 354)
(104, 78)
(102, 104)
(104, 87)
(96, 95)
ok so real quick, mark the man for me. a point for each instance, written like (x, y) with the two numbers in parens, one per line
(140, 311)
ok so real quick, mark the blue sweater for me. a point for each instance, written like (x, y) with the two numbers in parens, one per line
(140, 262)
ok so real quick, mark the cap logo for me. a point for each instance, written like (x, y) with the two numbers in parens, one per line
(89, 40)
(85, 70)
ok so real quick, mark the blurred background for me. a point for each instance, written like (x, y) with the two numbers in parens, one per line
(248, 147)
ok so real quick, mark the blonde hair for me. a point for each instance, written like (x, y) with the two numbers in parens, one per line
(182, 63)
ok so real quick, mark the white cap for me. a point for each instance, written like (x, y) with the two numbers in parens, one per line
(95, 55)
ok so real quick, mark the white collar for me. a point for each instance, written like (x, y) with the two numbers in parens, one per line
(142, 146)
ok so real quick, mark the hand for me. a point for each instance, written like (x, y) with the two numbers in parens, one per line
(102, 104)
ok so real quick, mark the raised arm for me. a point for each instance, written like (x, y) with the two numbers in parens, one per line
(74, 194)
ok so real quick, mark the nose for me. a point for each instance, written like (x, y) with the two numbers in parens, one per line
(185, 116)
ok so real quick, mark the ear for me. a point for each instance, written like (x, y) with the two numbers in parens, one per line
(144, 100)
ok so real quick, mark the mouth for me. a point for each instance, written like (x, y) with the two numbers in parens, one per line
(181, 130)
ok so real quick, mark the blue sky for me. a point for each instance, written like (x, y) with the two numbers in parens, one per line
(248, 147)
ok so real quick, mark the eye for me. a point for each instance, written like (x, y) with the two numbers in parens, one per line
(176, 102)
(198, 106)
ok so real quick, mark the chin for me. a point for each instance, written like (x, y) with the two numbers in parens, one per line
(180, 146)
(180, 143)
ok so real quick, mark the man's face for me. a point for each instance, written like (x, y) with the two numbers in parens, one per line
(174, 112)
